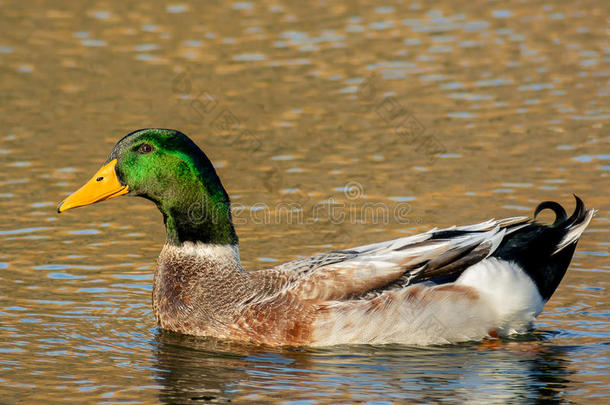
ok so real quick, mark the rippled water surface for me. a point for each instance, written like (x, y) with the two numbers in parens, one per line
(409, 115)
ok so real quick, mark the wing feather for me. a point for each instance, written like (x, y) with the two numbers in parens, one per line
(367, 270)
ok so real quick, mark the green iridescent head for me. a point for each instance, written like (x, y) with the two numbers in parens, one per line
(168, 168)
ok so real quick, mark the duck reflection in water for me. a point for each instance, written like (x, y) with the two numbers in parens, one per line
(205, 370)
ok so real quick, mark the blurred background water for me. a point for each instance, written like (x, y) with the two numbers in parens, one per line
(434, 113)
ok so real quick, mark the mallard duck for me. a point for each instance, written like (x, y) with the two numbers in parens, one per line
(450, 285)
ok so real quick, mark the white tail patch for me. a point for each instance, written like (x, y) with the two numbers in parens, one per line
(508, 290)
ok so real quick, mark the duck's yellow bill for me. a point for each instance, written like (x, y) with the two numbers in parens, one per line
(103, 185)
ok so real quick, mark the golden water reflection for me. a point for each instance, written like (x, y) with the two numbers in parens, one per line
(440, 114)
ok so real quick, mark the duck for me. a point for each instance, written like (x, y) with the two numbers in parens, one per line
(488, 280)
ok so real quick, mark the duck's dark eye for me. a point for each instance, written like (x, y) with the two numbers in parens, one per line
(145, 148)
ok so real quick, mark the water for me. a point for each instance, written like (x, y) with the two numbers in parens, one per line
(405, 116)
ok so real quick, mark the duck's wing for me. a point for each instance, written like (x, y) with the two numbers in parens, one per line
(364, 271)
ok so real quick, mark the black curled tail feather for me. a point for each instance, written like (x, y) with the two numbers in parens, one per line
(541, 250)
(560, 213)
(579, 212)
(561, 218)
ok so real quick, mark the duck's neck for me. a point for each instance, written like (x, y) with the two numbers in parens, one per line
(215, 258)
(198, 211)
